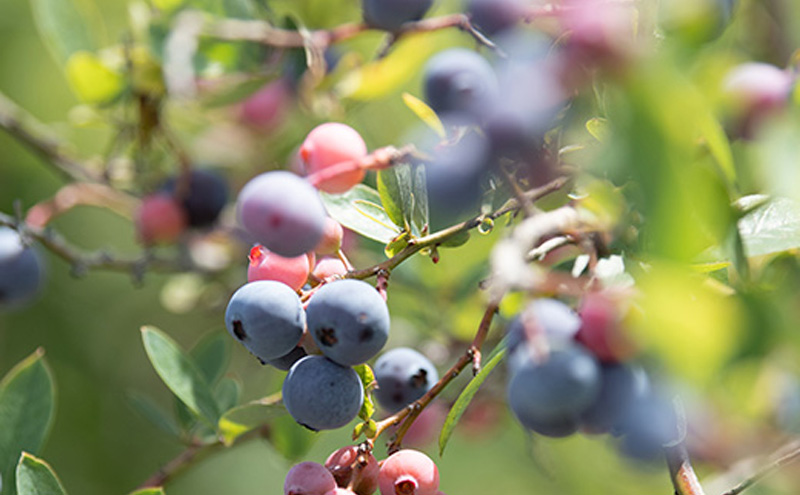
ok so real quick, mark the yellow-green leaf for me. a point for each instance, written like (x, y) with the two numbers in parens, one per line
(91, 80)
(425, 113)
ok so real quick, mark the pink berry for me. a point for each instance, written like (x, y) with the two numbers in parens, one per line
(308, 478)
(328, 267)
(758, 86)
(408, 472)
(331, 144)
(267, 107)
(266, 265)
(601, 329)
(160, 219)
(331, 238)
(341, 491)
(353, 467)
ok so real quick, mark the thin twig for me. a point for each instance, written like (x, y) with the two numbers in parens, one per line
(408, 414)
(27, 129)
(792, 454)
(683, 477)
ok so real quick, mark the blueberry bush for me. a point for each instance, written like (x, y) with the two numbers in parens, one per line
(401, 247)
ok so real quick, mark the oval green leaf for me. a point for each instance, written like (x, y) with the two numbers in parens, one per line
(36, 477)
(360, 210)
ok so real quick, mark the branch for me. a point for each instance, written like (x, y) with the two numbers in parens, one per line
(792, 454)
(408, 414)
(27, 129)
(99, 260)
(416, 245)
(683, 477)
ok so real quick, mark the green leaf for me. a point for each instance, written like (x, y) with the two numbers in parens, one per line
(91, 79)
(360, 210)
(367, 377)
(212, 355)
(244, 418)
(404, 196)
(151, 412)
(396, 245)
(63, 28)
(599, 128)
(466, 396)
(425, 113)
(180, 373)
(290, 439)
(27, 403)
(36, 477)
(149, 491)
(771, 228)
(227, 393)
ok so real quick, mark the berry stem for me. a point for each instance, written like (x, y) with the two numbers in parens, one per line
(783, 457)
(682, 474)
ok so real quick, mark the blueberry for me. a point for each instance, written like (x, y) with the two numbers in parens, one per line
(285, 362)
(322, 395)
(556, 391)
(204, 198)
(21, 272)
(648, 424)
(349, 321)
(283, 212)
(459, 80)
(493, 16)
(403, 376)
(390, 15)
(267, 318)
(556, 320)
(620, 386)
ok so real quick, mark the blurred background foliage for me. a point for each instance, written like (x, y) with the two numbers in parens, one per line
(717, 313)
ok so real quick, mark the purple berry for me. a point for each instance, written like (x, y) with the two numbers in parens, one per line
(20, 269)
(390, 15)
(204, 198)
(283, 212)
(493, 16)
(459, 80)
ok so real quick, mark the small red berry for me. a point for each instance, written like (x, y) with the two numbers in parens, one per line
(160, 219)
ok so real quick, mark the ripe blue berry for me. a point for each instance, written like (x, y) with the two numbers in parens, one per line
(493, 16)
(203, 199)
(459, 80)
(390, 15)
(403, 376)
(554, 392)
(322, 395)
(267, 318)
(285, 362)
(349, 321)
(620, 386)
(558, 323)
(649, 423)
(20, 269)
(283, 212)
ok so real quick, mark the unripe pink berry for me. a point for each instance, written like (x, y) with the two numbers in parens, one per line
(332, 144)
(308, 478)
(341, 491)
(408, 472)
(160, 219)
(758, 86)
(266, 265)
(267, 107)
(601, 329)
(352, 467)
(331, 238)
(328, 267)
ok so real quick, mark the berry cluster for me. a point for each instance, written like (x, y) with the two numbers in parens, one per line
(353, 470)
(567, 375)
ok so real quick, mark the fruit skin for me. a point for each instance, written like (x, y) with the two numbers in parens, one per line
(549, 397)
(757, 90)
(267, 107)
(332, 237)
(620, 386)
(330, 144)
(283, 212)
(459, 80)
(348, 320)
(322, 395)
(285, 363)
(408, 472)
(328, 267)
(160, 219)
(558, 322)
(649, 423)
(493, 16)
(21, 271)
(265, 265)
(205, 198)
(308, 478)
(601, 329)
(390, 15)
(267, 318)
(350, 464)
(403, 376)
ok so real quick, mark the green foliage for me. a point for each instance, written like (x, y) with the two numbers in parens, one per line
(27, 407)
(361, 211)
(36, 477)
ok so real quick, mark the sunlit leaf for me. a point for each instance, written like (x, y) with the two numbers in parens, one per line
(27, 402)
(360, 210)
(91, 79)
(149, 491)
(467, 395)
(180, 373)
(771, 228)
(36, 477)
(599, 128)
(404, 195)
(425, 113)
